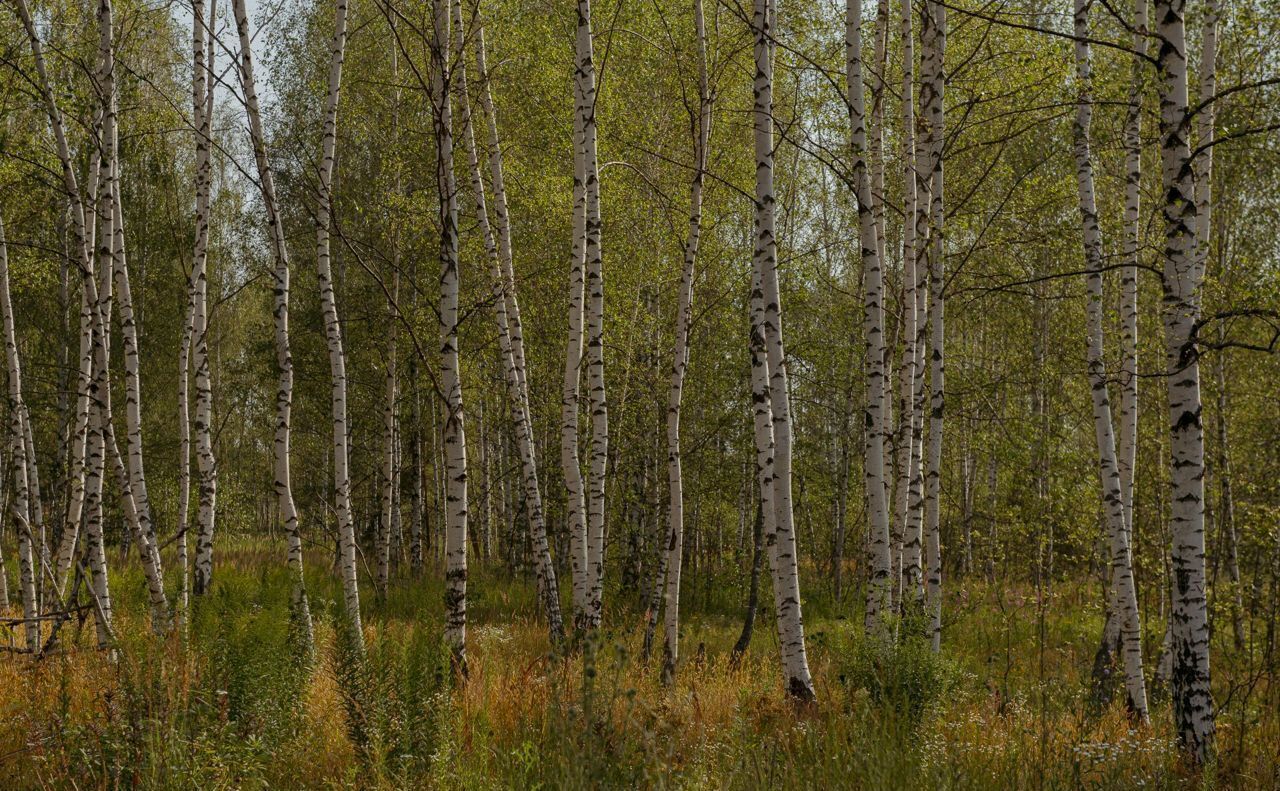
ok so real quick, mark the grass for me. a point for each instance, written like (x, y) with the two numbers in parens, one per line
(234, 704)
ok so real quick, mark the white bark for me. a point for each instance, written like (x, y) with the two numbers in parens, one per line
(765, 263)
(88, 469)
(282, 474)
(20, 507)
(680, 359)
(333, 335)
(1183, 276)
(570, 464)
(906, 543)
(144, 528)
(455, 438)
(1122, 581)
(934, 31)
(585, 77)
(510, 329)
(880, 584)
(202, 110)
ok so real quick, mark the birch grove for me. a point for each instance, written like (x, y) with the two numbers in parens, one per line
(959, 465)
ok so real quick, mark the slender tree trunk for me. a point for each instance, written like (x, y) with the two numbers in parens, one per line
(880, 584)
(906, 548)
(20, 508)
(1122, 581)
(333, 335)
(148, 547)
(282, 474)
(510, 335)
(90, 468)
(585, 78)
(935, 33)
(184, 461)
(768, 326)
(1183, 276)
(455, 438)
(203, 44)
(570, 463)
(680, 359)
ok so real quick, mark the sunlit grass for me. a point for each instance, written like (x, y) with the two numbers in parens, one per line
(234, 704)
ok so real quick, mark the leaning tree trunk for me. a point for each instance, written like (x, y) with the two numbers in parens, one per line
(87, 471)
(1183, 276)
(333, 336)
(880, 584)
(680, 359)
(1123, 589)
(455, 438)
(20, 508)
(768, 326)
(139, 505)
(511, 344)
(282, 474)
(148, 547)
(202, 102)
(585, 78)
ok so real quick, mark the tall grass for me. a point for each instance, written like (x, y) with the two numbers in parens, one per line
(236, 704)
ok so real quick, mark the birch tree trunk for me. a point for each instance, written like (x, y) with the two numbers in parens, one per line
(906, 547)
(281, 472)
(680, 359)
(769, 326)
(507, 308)
(144, 528)
(333, 336)
(202, 102)
(575, 501)
(880, 582)
(1183, 276)
(585, 77)
(935, 33)
(388, 469)
(20, 507)
(455, 438)
(1122, 581)
(89, 469)
(184, 460)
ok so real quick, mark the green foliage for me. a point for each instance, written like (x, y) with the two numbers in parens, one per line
(396, 697)
(905, 676)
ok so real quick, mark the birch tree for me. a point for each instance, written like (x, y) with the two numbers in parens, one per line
(934, 33)
(20, 508)
(906, 547)
(1182, 279)
(202, 92)
(775, 434)
(701, 129)
(455, 438)
(570, 464)
(1123, 588)
(282, 474)
(497, 241)
(87, 470)
(880, 583)
(333, 334)
(585, 78)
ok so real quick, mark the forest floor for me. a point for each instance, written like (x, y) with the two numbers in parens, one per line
(233, 706)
